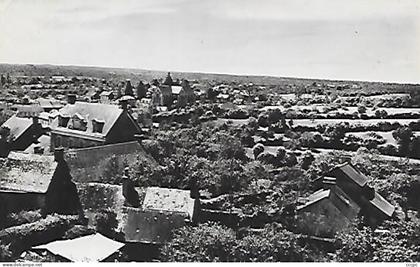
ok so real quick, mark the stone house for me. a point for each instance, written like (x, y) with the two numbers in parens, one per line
(81, 124)
(23, 131)
(30, 182)
(343, 196)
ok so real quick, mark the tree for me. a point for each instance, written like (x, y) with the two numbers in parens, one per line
(403, 136)
(128, 88)
(274, 244)
(208, 242)
(141, 90)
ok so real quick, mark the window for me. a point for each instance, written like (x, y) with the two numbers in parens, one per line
(97, 125)
(63, 120)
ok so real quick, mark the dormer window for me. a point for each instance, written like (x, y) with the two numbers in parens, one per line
(63, 120)
(97, 125)
(79, 123)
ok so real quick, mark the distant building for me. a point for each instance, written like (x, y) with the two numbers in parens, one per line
(106, 97)
(82, 124)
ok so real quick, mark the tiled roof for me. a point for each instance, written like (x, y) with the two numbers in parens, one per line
(166, 199)
(90, 111)
(18, 126)
(26, 172)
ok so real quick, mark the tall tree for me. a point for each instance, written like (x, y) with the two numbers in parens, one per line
(128, 88)
(141, 90)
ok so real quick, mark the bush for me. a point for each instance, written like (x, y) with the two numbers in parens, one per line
(23, 217)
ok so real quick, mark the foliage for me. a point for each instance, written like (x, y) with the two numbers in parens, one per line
(208, 242)
(14, 219)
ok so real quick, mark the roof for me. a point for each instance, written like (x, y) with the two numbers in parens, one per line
(176, 89)
(106, 93)
(43, 141)
(91, 248)
(338, 198)
(384, 206)
(126, 97)
(22, 172)
(315, 197)
(151, 226)
(18, 126)
(49, 103)
(90, 111)
(351, 172)
(166, 199)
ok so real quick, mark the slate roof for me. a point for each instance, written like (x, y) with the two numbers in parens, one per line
(22, 172)
(90, 111)
(166, 199)
(18, 126)
(338, 198)
(384, 206)
(151, 226)
(91, 248)
(351, 172)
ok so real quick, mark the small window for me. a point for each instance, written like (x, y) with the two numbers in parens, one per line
(63, 120)
(97, 126)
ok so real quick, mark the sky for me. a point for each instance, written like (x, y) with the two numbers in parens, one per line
(375, 40)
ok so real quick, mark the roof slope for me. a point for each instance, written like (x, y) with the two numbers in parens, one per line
(351, 172)
(89, 111)
(151, 226)
(26, 172)
(384, 206)
(18, 126)
(91, 248)
(166, 199)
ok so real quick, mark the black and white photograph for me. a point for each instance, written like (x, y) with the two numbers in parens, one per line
(209, 131)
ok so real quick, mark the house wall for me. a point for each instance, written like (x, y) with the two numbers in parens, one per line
(16, 201)
(91, 164)
(59, 140)
(321, 219)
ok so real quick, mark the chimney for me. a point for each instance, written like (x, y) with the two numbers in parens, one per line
(329, 182)
(71, 99)
(38, 150)
(124, 104)
(59, 154)
(35, 120)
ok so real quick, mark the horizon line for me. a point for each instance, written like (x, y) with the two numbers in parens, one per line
(214, 73)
